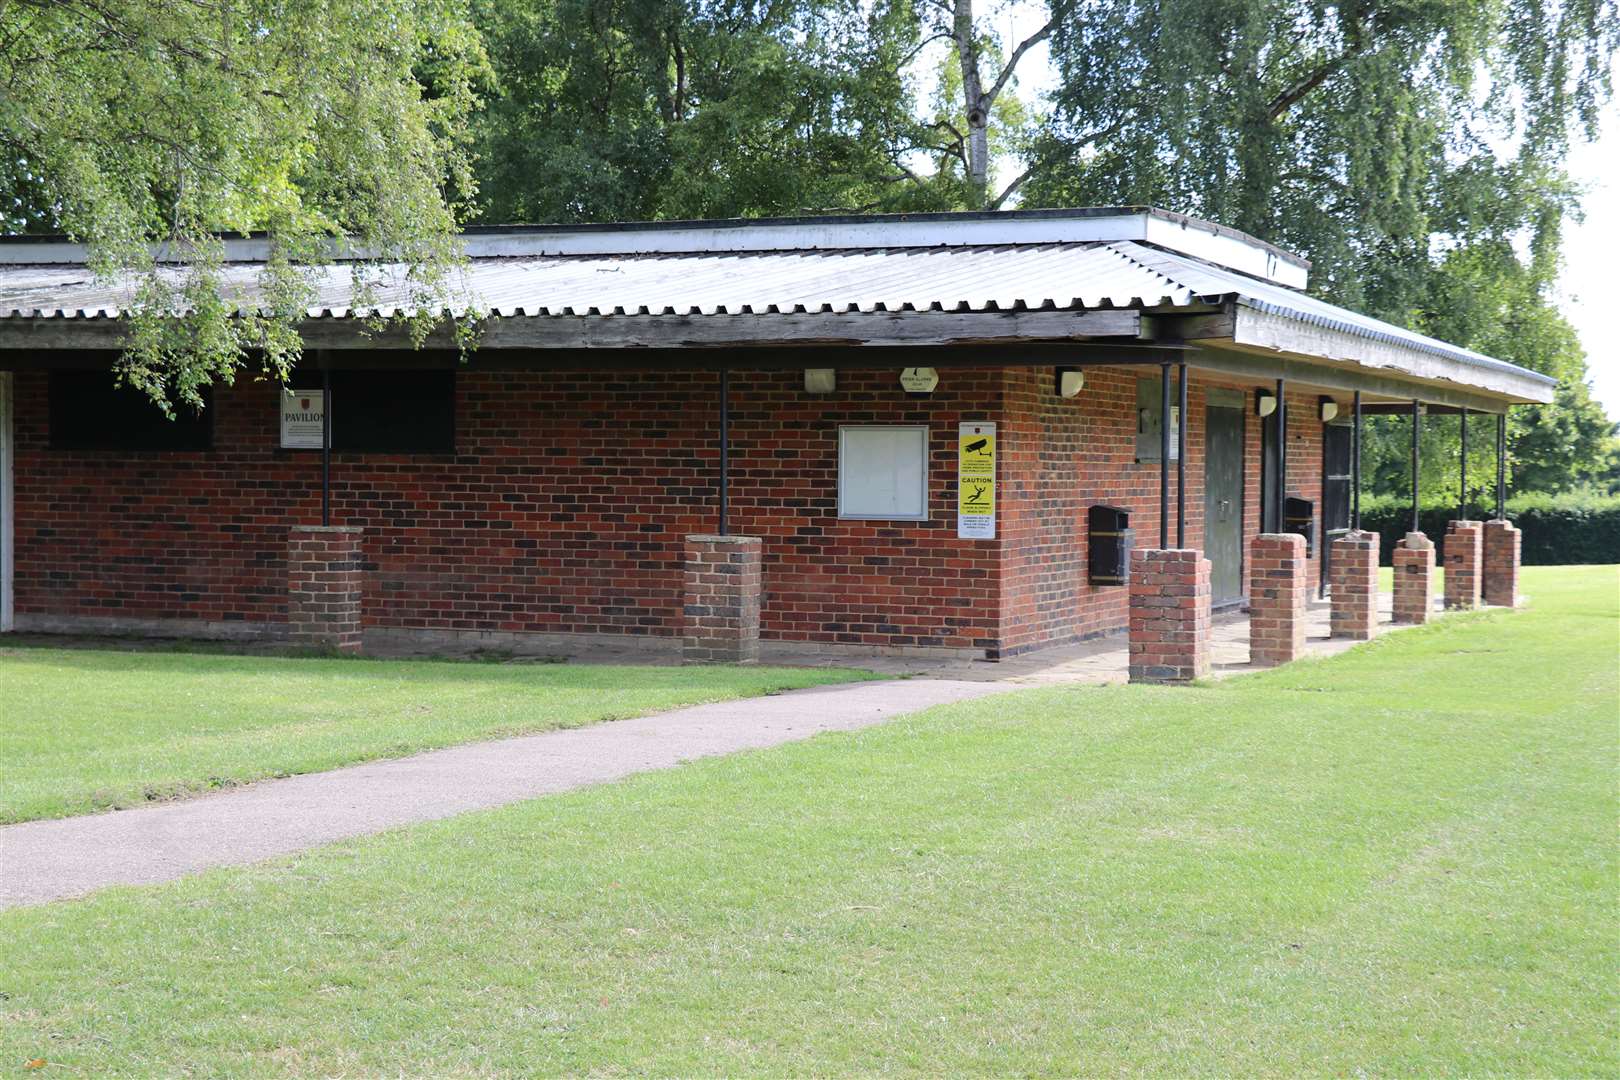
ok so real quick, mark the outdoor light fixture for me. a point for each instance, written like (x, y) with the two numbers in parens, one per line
(820, 380)
(1069, 382)
(1330, 408)
(919, 381)
(1265, 403)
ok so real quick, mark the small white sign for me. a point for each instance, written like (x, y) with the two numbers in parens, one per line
(918, 380)
(302, 414)
(976, 481)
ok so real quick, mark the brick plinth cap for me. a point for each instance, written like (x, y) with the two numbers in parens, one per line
(722, 539)
(1416, 541)
(352, 530)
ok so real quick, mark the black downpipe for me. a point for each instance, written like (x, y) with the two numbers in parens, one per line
(1282, 455)
(1417, 427)
(725, 449)
(1462, 488)
(1181, 460)
(326, 445)
(1355, 466)
(1164, 455)
(1501, 466)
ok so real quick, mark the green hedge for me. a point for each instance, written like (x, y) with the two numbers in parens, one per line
(1574, 528)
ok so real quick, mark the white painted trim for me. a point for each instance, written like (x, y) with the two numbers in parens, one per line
(8, 528)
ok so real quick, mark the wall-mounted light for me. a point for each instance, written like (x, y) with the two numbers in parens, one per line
(1265, 403)
(820, 380)
(919, 381)
(1330, 408)
(1069, 382)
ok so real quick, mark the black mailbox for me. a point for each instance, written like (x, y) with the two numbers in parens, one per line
(1108, 542)
(1299, 516)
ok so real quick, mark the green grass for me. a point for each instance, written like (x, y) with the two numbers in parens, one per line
(90, 730)
(1398, 861)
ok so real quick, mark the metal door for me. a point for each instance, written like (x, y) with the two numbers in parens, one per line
(1223, 502)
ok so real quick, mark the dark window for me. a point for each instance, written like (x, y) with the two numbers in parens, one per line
(89, 412)
(394, 412)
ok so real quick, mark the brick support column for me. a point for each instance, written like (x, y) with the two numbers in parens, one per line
(1463, 565)
(1278, 593)
(1169, 629)
(721, 623)
(324, 577)
(1414, 579)
(1501, 544)
(1354, 574)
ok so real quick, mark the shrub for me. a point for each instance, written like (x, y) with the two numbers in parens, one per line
(1575, 527)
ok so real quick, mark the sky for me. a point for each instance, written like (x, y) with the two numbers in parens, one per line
(1591, 247)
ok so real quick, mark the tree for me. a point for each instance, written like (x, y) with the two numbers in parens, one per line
(1412, 149)
(147, 128)
(985, 100)
(1354, 131)
(646, 109)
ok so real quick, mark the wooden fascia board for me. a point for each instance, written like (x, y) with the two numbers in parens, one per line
(851, 329)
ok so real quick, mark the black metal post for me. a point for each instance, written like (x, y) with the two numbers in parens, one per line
(1282, 454)
(725, 448)
(1355, 465)
(1501, 466)
(1462, 488)
(1181, 459)
(326, 443)
(1164, 455)
(1417, 425)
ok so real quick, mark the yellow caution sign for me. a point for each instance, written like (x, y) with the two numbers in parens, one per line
(976, 481)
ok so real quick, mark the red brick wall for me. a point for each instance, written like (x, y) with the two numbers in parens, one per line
(142, 535)
(567, 502)
(564, 509)
(1060, 456)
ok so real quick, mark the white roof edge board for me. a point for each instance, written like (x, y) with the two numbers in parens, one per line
(1190, 236)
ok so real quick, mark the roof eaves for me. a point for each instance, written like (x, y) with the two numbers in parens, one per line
(1425, 344)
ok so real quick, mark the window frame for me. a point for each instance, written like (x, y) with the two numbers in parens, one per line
(923, 492)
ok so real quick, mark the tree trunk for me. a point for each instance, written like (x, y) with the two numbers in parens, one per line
(974, 105)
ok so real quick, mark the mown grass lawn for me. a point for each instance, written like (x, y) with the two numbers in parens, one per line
(88, 730)
(1399, 861)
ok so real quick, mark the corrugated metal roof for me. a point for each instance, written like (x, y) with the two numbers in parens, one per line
(1212, 282)
(867, 279)
(1059, 275)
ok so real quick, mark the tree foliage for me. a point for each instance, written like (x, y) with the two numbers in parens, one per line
(149, 127)
(644, 109)
(1413, 150)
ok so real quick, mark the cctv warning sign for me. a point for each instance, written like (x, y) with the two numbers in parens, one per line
(976, 481)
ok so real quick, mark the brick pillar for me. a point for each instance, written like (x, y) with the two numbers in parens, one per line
(1354, 579)
(1462, 565)
(721, 624)
(324, 577)
(1501, 563)
(1278, 594)
(1414, 579)
(1169, 630)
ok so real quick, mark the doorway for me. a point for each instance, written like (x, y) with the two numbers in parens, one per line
(1223, 499)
